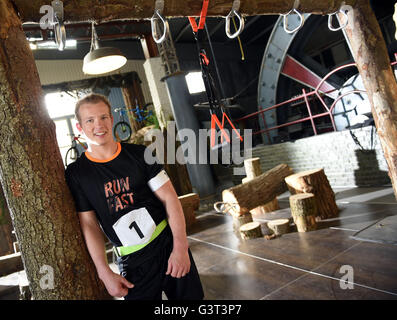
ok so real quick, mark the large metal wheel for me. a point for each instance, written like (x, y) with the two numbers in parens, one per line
(300, 60)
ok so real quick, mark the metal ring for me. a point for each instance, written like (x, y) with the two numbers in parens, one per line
(227, 26)
(219, 207)
(59, 33)
(153, 20)
(301, 17)
(330, 16)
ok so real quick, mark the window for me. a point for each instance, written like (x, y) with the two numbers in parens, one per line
(60, 106)
(195, 82)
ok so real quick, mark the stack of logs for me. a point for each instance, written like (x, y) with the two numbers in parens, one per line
(256, 193)
(311, 199)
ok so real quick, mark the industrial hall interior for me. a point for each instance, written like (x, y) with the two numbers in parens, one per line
(275, 121)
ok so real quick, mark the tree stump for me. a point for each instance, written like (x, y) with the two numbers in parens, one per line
(251, 230)
(316, 182)
(279, 226)
(304, 211)
(190, 202)
(239, 221)
(258, 191)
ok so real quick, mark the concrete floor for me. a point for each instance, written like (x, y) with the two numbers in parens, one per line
(294, 265)
(300, 265)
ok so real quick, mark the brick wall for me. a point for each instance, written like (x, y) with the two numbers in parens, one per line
(342, 159)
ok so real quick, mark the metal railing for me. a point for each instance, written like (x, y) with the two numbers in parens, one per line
(306, 97)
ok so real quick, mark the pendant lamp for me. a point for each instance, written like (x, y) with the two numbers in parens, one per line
(102, 60)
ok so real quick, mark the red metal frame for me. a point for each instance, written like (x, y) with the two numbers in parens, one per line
(316, 94)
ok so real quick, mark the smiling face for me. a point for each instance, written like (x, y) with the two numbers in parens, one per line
(96, 123)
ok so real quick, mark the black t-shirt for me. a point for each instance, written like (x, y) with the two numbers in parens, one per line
(120, 191)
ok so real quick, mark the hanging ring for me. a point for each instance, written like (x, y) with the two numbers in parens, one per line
(59, 33)
(232, 13)
(301, 18)
(330, 16)
(158, 8)
(154, 31)
(227, 27)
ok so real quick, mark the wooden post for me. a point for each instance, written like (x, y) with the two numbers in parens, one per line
(33, 177)
(304, 211)
(132, 94)
(370, 54)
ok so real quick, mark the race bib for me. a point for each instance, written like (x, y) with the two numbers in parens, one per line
(135, 227)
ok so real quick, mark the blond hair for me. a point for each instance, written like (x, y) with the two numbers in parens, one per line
(91, 98)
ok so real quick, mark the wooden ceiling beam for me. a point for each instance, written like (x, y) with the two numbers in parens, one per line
(106, 10)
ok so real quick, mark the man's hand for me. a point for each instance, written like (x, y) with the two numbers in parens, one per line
(178, 263)
(116, 285)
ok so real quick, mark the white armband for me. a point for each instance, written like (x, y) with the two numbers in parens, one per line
(156, 182)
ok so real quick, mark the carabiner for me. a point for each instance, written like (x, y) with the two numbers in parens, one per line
(59, 33)
(227, 25)
(301, 17)
(153, 20)
(330, 16)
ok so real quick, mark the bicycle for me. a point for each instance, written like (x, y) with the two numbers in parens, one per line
(140, 112)
(73, 153)
(122, 129)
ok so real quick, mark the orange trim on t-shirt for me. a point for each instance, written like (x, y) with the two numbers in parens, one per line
(105, 160)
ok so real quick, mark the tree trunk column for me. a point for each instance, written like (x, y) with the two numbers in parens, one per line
(370, 54)
(56, 260)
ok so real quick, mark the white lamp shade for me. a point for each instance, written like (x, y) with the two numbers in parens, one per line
(103, 60)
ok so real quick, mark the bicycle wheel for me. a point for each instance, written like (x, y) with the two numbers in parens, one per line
(71, 155)
(122, 131)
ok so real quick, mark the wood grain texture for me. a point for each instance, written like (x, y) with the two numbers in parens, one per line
(106, 10)
(33, 178)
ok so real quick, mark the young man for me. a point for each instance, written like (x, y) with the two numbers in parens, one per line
(137, 208)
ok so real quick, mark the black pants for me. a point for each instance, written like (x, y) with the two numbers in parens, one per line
(150, 280)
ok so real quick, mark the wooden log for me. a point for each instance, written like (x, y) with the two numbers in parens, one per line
(267, 207)
(239, 221)
(316, 182)
(251, 230)
(252, 170)
(279, 226)
(370, 53)
(105, 10)
(258, 191)
(304, 211)
(190, 202)
(252, 167)
(271, 206)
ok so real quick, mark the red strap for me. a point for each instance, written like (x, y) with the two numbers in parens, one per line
(215, 121)
(204, 58)
(203, 15)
